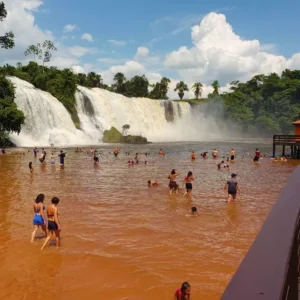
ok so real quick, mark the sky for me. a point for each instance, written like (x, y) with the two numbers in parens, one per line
(187, 40)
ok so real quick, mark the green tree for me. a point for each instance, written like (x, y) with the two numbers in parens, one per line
(197, 87)
(41, 52)
(160, 89)
(216, 87)
(137, 87)
(181, 87)
(119, 83)
(11, 119)
(6, 41)
(94, 80)
(125, 129)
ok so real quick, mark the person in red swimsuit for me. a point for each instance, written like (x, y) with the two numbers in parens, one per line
(184, 292)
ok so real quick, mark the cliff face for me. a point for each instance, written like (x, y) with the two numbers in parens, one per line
(115, 136)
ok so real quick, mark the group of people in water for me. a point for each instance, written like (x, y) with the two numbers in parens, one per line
(47, 219)
(48, 222)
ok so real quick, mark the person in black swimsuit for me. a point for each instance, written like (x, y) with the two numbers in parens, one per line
(53, 223)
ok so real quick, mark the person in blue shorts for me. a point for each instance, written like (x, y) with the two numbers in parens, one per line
(39, 217)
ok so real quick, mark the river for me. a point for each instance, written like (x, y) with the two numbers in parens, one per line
(123, 240)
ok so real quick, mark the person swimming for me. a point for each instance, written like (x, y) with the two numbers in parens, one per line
(173, 186)
(153, 183)
(188, 183)
(193, 155)
(194, 210)
(38, 218)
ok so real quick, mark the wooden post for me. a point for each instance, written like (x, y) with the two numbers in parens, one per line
(283, 150)
(274, 149)
(292, 152)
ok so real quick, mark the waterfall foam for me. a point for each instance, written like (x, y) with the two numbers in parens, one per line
(48, 122)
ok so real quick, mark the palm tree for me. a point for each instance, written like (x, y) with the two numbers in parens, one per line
(181, 87)
(216, 87)
(197, 87)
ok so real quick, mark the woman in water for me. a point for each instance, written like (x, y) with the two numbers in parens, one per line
(53, 223)
(184, 292)
(188, 183)
(31, 168)
(39, 217)
(173, 186)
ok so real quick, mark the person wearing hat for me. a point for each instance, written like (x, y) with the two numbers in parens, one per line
(232, 187)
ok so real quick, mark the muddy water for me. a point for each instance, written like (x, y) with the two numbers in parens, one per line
(122, 240)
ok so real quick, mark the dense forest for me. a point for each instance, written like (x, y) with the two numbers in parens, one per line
(266, 102)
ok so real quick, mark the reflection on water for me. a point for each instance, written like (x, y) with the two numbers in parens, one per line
(123, 240)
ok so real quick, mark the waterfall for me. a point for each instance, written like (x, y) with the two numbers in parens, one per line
(48, 122)
(150, 118)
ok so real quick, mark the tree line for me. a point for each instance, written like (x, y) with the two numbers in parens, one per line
(266, 102)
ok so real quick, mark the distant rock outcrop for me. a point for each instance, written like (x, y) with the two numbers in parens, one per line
(115, 136)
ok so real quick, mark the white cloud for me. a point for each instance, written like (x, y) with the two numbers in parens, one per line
(117, 43)
(219, 53)
(88, 37)
(70, 28)
(79, 51)
(28, 32)
(142, 56)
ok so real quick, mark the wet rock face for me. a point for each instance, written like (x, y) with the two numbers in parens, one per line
(88, 106)
(169, 111)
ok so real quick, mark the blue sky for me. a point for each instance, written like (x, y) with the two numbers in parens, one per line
(271, 22)
(184, 40)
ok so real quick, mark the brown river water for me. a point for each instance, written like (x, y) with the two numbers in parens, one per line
(123, 240)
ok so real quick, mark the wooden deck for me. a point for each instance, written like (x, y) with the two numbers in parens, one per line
(293, 141)
(287, 140)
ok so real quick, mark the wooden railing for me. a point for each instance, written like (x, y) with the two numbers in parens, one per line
(286, 139)
(270, 270)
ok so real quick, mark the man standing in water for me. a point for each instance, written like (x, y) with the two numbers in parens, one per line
(62, 157)
(232, 187)
(35, 151)
(232, 154)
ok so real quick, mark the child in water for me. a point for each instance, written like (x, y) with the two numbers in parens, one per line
(184, 292)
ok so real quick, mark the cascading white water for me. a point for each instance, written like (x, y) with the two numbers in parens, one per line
(48, 122)
(158, 120)
(99, 110)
